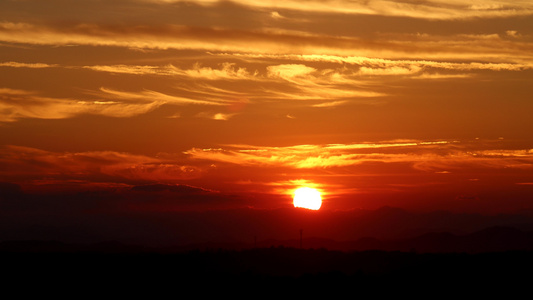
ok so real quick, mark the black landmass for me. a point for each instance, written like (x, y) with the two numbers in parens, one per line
(46, 248)
(495, 258)
(260, 270)
(493, 239)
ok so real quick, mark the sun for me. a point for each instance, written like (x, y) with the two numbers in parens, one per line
(306, 197)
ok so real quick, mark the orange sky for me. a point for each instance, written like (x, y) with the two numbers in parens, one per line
(415, 104)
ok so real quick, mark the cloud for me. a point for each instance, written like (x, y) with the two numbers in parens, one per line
(269, 41)
(156, 97)
(310, 83)
(441, 76)
(486, 6)
(424, 9)
(484, 159)
(13, 64)
(158, 37)
(400, 66)
(288, 72)
(17, 104)
(431, 156)
(227, 71)
(24, 163)
(330, 103)
(299, 156)
(285, 81)
(132, 69)
(390, 71)
(216, 116)
(276, 15)
(512, 33)
(428, 9)
(173, 188)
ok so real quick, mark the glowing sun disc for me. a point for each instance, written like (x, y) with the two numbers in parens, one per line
(306, 197)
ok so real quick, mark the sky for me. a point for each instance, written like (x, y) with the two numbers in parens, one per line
(168, 105)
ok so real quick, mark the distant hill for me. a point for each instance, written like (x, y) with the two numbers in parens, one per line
(493, 239)
(386, 228)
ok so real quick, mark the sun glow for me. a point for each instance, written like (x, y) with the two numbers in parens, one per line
(306, 197)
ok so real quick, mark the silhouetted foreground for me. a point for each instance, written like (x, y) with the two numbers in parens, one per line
(494, 239)
(382, 272)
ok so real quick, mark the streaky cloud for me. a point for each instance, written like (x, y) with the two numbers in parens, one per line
(156, 97)
(428, 9)
(14, 64)
(384, 65)
(91, 166)
(265, 42)
(17, 104)
(422, 155)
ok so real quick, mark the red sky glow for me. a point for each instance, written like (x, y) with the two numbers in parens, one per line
(206, 105)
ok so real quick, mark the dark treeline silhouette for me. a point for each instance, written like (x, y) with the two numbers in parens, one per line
(491, 239)
(117, 266)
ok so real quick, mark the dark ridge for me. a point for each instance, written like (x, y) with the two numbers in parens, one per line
(373, 272)
(488, 240)
(493, 239)
(432, 261)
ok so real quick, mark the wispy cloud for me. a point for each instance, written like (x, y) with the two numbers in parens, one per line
(155, 97)
(285, 81)
(14, 64)
(422, 155)
(17, 104)
(227, 71)
(26, 163)
(389, 71)
(384, 66)
(428, 9)
(303, 75)
(267, 42)
(330, 104)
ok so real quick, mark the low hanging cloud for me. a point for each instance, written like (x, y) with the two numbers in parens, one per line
(422, 155)
(25, 163)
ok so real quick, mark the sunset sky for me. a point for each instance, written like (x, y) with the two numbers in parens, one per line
(200, 105)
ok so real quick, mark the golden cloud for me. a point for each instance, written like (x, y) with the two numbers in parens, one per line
(428, 9)
(16, 104)
(422, 155)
